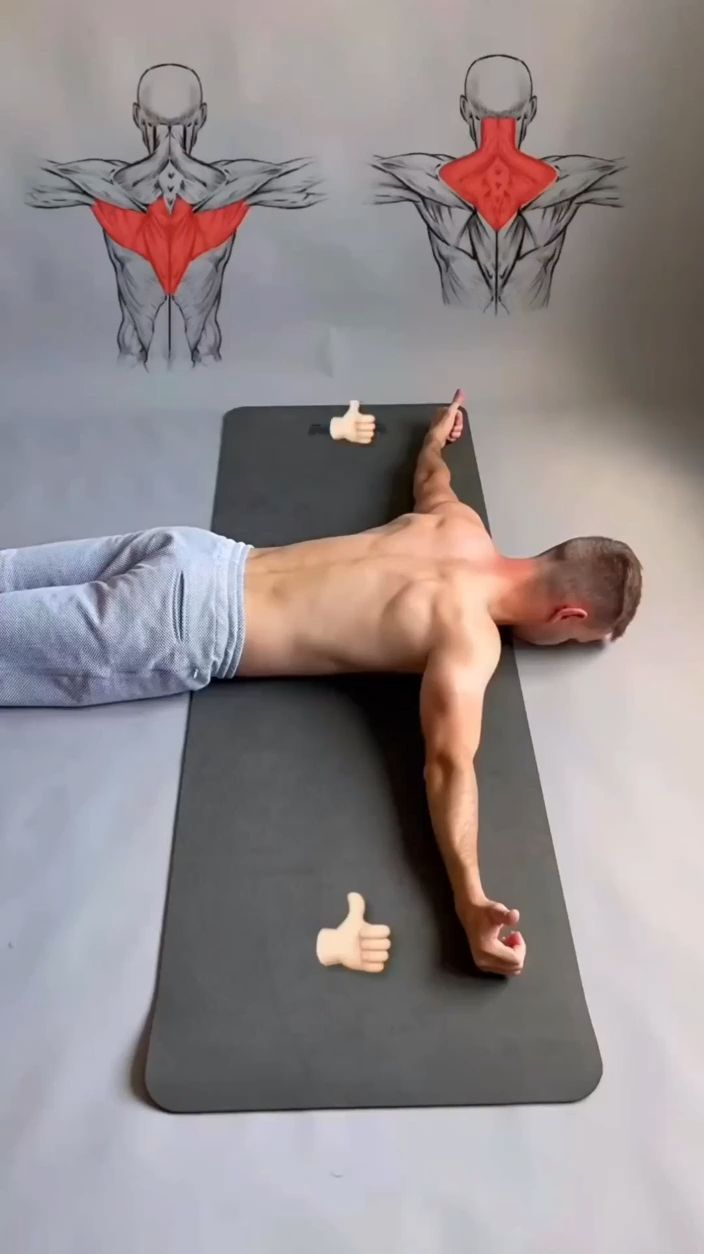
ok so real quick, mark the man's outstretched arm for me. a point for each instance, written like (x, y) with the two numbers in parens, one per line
(432, 484)
(452, 695)
(432, 487)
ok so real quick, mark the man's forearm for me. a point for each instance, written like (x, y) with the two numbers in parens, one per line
(453, 803)
(431, 470)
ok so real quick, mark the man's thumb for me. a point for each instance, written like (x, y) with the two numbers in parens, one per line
(503, 917)
(356, 907)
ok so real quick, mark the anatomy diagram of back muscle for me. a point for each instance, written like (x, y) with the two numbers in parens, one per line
(169, 220)
(497, 218)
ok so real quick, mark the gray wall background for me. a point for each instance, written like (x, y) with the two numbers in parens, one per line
(586, 418)
(347, 290)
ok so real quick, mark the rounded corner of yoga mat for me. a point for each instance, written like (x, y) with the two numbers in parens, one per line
(592, 1077)
(295, 792)
(166, 1091)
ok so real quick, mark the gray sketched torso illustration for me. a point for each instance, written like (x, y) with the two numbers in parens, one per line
(169, 220)
(497, 219)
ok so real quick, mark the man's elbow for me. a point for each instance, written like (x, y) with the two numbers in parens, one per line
(445, 766)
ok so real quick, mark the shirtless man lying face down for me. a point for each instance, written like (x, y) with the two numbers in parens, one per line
(165, 611)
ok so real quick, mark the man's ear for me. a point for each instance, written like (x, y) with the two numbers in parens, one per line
(568, 611)
(464, 109)
(135, 115)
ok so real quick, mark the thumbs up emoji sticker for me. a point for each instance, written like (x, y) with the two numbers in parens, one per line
(353, 425)
(355, 944)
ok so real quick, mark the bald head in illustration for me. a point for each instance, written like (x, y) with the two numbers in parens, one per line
(498, 87)
(169, 97)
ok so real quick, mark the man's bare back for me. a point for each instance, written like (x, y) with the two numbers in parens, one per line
(367, 602)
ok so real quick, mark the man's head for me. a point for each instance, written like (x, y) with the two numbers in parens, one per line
(586, 590)
(169, 97)
(498, 87)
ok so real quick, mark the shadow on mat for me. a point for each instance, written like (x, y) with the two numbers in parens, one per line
(388, 706)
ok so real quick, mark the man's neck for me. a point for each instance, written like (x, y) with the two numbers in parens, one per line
(516, 596)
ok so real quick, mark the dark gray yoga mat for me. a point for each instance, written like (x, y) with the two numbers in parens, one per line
(295, 792)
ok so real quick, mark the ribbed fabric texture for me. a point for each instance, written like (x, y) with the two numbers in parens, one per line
(234, 611)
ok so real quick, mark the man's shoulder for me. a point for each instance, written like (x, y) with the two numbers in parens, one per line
(462, 623)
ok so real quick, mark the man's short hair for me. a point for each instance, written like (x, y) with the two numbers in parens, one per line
(602, 576)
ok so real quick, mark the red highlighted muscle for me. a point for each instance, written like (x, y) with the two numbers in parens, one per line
(498, 179)
(170, 241)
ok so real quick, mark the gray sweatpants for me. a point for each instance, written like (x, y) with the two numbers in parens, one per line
(120, 618)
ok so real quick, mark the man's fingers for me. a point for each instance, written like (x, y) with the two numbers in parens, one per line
(495, 966)
(502, 916)
(458, 427)
(373, 967)
(374, 930)
(509, 959)
(446, 416)
(500, 959)
(453, 408)
(517, 945)
(501, 946)
(492, 966)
